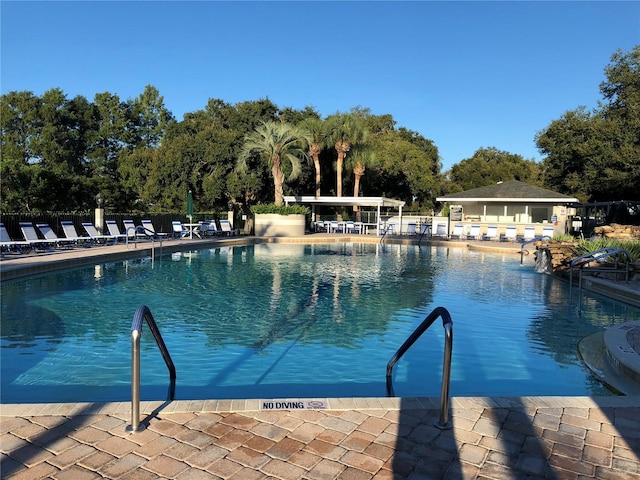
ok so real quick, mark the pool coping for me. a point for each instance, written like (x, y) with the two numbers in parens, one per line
(334, 404)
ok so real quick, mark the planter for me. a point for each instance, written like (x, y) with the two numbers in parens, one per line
(274, 225)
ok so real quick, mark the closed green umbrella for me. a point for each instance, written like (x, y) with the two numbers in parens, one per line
(190, 206)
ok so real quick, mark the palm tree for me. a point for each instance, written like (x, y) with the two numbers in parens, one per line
(275, 142)
(316, 129)
(343, 131)
(361, 157)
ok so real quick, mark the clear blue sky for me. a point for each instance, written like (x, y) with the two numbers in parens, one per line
(463, 74)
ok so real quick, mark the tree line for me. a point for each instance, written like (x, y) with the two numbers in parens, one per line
(58, 153)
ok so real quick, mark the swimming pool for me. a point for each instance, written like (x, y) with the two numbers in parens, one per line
(293, 320)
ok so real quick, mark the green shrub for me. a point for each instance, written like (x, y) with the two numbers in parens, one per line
(631, 246)
(280, 209)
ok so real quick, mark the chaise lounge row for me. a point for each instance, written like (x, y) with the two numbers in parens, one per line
(42, 237)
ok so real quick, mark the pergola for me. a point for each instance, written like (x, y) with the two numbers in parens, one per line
(377, 202)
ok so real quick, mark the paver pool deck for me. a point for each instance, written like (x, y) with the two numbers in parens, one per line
(354, 438)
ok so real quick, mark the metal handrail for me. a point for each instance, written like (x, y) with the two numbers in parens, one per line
(149, 233)
(533, 240)
(597, 256)
(424, 228)
(385, 231)
(143, 313)
(443, 423)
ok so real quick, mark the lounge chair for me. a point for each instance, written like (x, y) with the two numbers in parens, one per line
(50, 235)
(457, 231)
(95, 235)
(227, 228)
(474, 233)
(150, 230)
(209, 228)
(112, 226)
(31, 235)
(71, 234)
(529, 234)
(510, 234)
(11, 246)
(177, 230)
(440, 230)
(321, 226)
(492, 233)
(547, 232)
(132, 231)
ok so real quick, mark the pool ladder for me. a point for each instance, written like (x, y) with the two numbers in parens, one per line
(443, 422)
(143, 313)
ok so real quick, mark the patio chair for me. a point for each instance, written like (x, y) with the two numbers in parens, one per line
(112, 226)
(474, 233)
(71, 234)
(492, 233)
(510, 234)
(150, 230)
(96, 236)
(50, 235)
(11, 246)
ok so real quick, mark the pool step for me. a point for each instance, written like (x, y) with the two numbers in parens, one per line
(596, 357)
(622, 343)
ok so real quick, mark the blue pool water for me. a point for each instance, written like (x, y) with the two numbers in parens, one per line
(289, 320)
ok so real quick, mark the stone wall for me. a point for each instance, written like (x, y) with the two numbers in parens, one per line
(621, 232)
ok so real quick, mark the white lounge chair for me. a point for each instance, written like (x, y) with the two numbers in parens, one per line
(71, 234)
(50, 235)
(474, 233)
(150, 230)
(547, 232)
(31, 235)
(510, 234)
(227, 228)
(96, 236)
(458, 230)
(178, 231)
(112, 226)
(132, 231)
(529, 234)
(11, 246)
(492, 233)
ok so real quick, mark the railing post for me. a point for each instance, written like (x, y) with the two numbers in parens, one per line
(445, 423)
(135, 426)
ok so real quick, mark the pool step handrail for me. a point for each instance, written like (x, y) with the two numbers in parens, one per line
(597, 256)
(143, 313)
(424, 228)
(528, 242)
(384, 232)
(153, 236)
(444, 423)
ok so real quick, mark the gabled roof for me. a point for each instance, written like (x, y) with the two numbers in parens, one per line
(512, 191)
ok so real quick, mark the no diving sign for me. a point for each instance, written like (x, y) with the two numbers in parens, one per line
(294, 404)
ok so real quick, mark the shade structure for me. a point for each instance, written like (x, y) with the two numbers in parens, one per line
(190, 205)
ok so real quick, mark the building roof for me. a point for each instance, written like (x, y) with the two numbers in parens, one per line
(512, 191)
(348, 201)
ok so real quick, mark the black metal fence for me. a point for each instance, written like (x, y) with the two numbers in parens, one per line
(161, 221)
